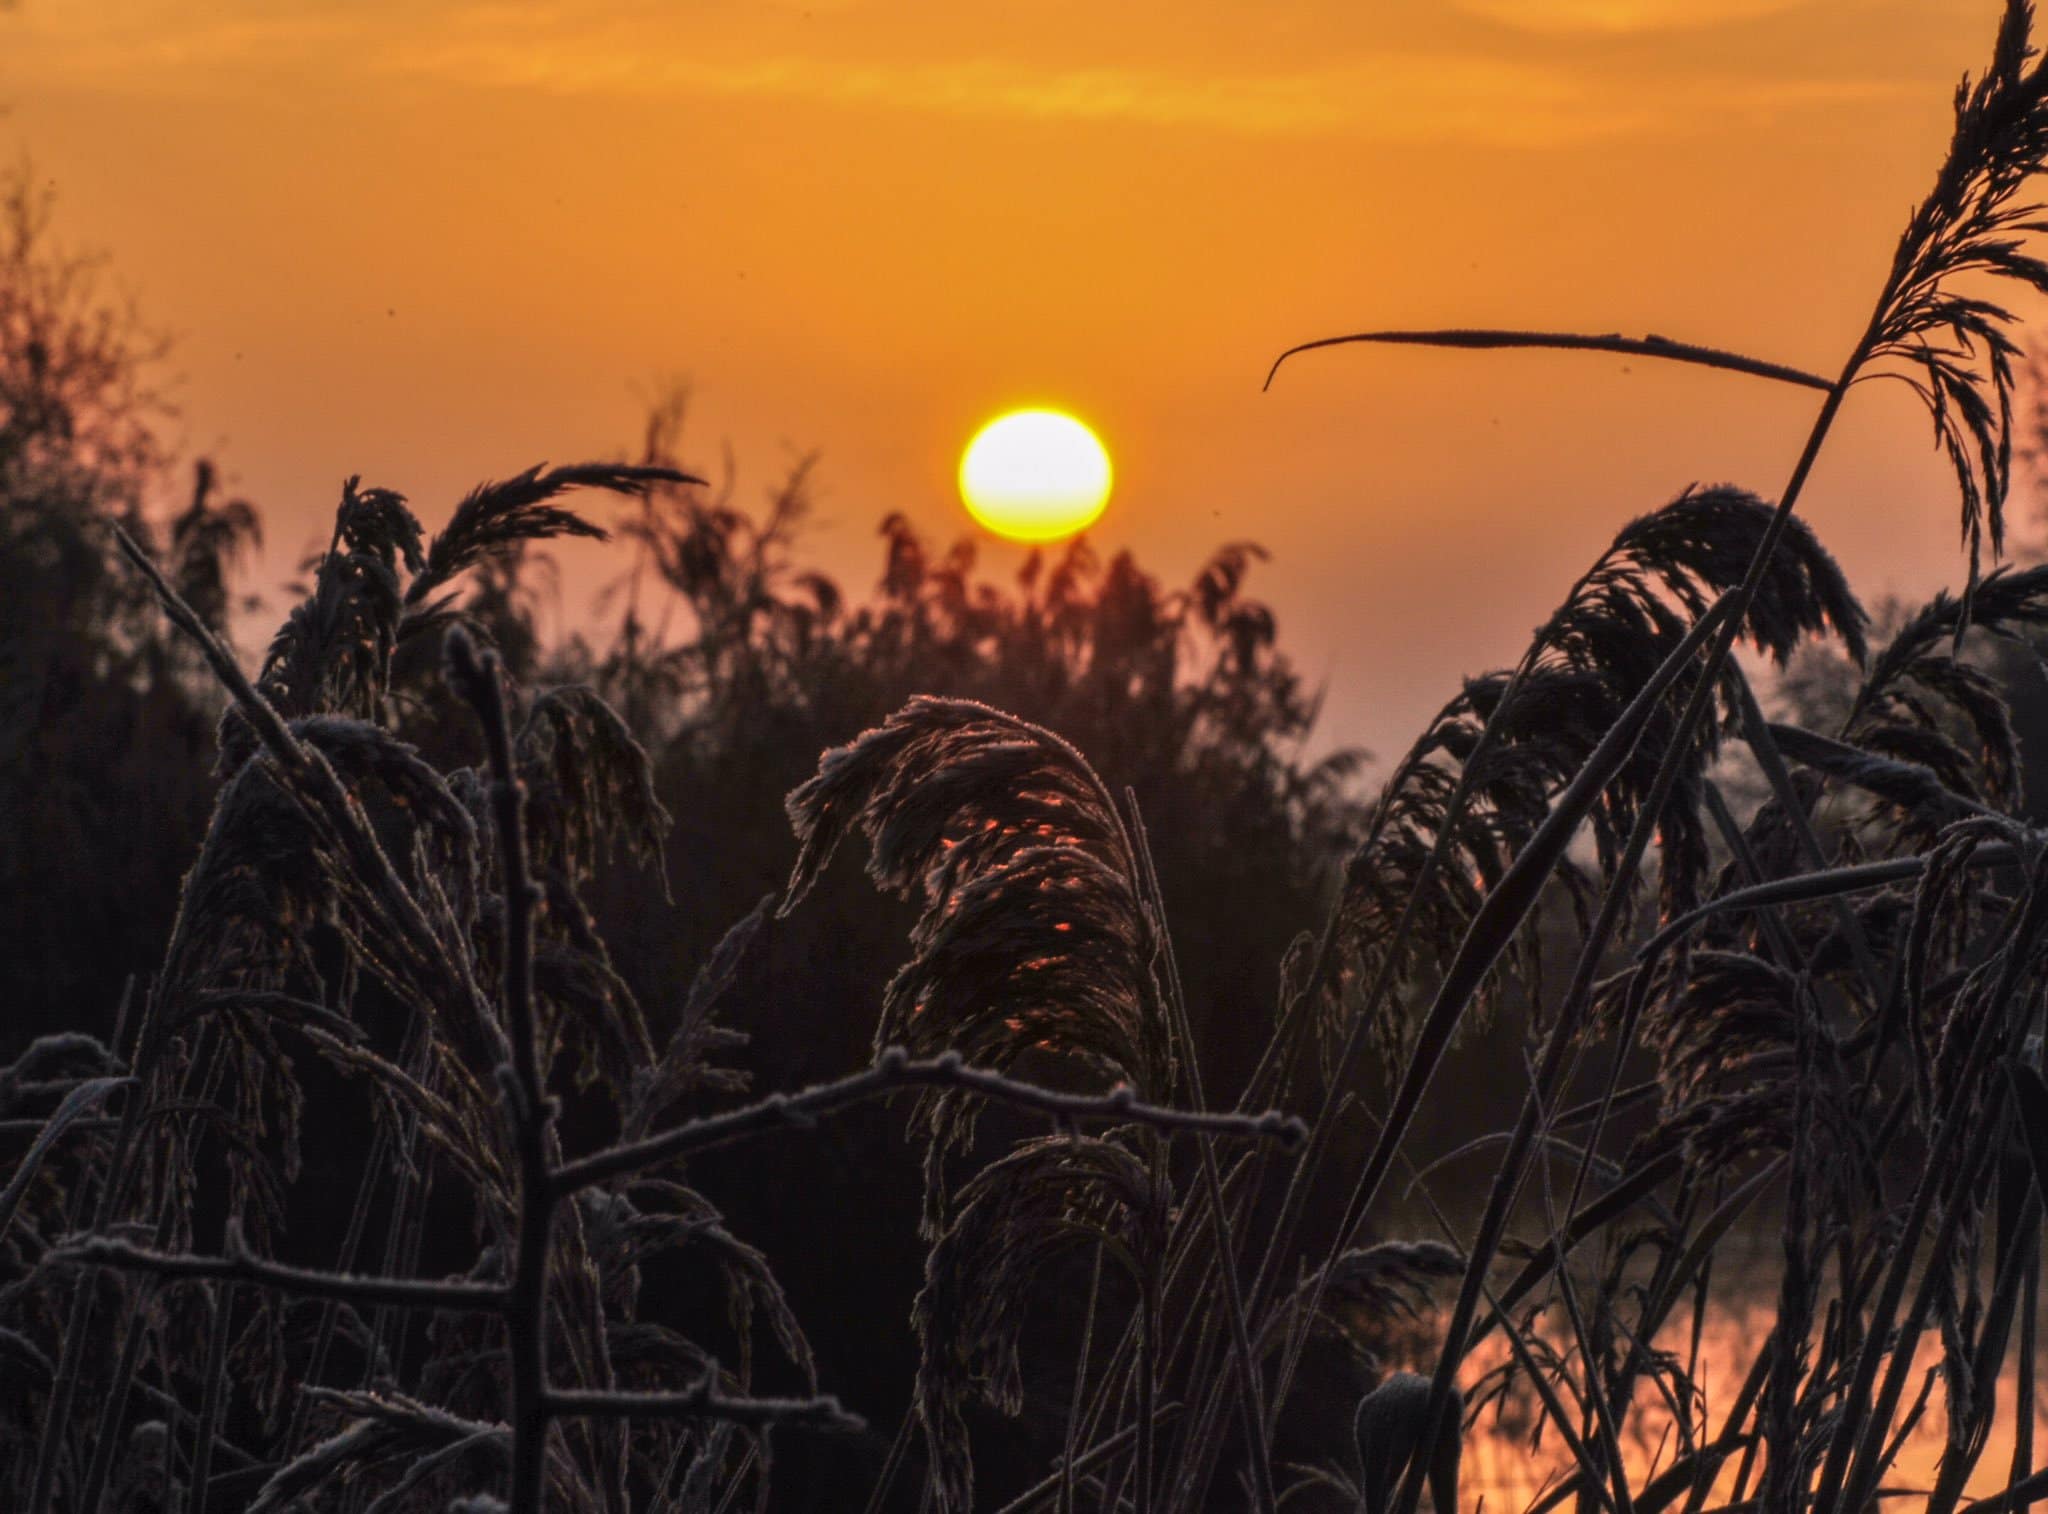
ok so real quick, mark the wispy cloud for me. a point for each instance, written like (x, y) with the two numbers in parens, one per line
(1623, 15)
(1403, 97)
(1406, 96)
(133, 41)
(1391, 97)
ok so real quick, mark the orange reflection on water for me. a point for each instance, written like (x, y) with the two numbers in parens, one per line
(1502, 1467)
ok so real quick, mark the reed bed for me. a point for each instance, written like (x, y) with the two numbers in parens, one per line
(1806, 1032)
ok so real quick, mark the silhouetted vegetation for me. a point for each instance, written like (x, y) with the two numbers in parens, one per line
(429, 1164)
(106, 724)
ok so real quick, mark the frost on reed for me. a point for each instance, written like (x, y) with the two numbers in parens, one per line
(1471, 792)
(1033, 935)
(422, 933)
(1840, 1006)
(1829, 1039)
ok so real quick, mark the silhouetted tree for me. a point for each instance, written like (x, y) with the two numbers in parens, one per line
(105, 732)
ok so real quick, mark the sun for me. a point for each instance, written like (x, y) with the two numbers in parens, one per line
(1035, 475)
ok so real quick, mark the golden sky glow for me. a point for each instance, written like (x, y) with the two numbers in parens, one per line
(436, 241)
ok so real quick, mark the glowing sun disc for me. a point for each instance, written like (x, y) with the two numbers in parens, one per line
(1035, 475)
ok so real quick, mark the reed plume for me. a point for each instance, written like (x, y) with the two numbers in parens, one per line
(1032, 936)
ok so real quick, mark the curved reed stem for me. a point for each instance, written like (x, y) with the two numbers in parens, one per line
(239, 1266)
(1652, 346)
(893, 1070)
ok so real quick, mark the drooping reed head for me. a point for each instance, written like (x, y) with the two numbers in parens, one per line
(1033, 935)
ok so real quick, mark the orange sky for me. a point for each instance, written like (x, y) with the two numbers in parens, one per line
(434, 241)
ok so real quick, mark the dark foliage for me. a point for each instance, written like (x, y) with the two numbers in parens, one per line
(424, 909)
